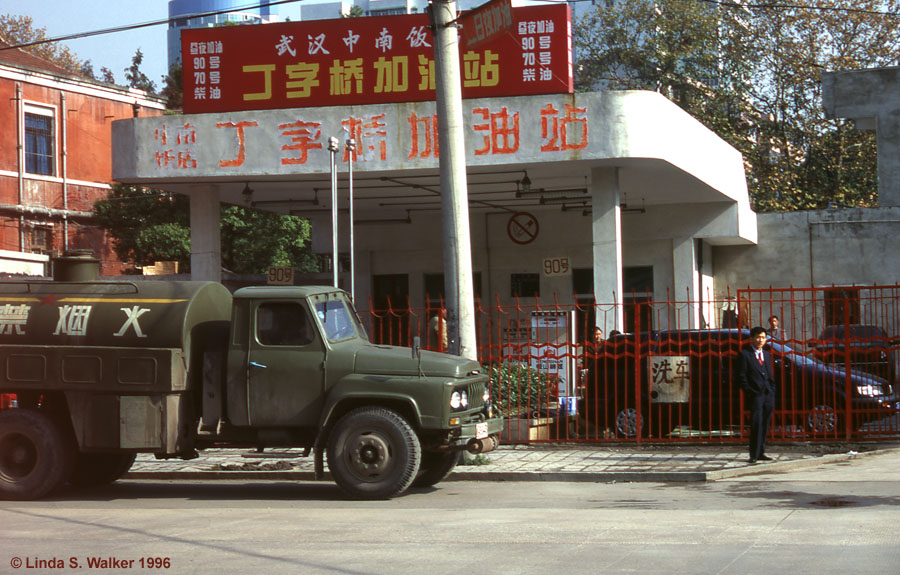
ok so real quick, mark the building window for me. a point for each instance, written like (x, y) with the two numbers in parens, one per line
(434, 289)
(41, 240)
(841, 305)
(39, 141)
(525, 285)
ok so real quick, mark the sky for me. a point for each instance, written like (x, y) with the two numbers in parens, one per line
(113, 51)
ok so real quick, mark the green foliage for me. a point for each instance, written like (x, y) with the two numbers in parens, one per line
(173, 88)
(253, 240)
(518, 389)
(137, 218)
(478, 459)
(135, 77)
(20, 30)
(355, 12)
(752, 74)
(152, 225)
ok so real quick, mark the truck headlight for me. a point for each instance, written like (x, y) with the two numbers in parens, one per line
(459, 399)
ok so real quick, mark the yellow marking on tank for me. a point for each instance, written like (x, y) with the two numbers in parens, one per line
(117, 300)
(19, 299)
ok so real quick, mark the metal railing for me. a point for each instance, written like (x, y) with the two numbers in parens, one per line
(657, 379)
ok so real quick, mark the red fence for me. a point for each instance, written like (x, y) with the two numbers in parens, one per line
(661, 381)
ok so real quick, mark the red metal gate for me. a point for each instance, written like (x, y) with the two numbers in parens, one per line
(664, 382)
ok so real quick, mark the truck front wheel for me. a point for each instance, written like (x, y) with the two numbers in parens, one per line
(373, 453)
(436, 466)
(100, 468)
(35, 458)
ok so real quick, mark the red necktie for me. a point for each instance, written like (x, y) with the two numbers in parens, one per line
(759, 358)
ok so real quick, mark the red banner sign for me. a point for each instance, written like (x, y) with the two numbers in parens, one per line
(486, 22)
(353, 61)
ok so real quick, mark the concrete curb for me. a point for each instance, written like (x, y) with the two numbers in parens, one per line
(463, 473)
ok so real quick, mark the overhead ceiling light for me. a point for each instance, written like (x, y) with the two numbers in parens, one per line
(564, 200)
(290, 201)
(247, 194)
(524, 185)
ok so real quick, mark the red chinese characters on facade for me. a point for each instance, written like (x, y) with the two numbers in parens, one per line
(566, 132)
(241, 154)
(549, 129)
(304, 136)
(175, 152)
(501, 132)
(371, 138)
(423, 131)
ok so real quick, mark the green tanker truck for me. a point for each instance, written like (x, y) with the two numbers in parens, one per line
(95, 372)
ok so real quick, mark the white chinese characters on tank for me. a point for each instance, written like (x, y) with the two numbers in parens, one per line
(132, 314)
(73, 320)
(13, 319)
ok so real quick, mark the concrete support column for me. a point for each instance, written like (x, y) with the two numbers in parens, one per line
(606, 230)
(206, 245)
(685, 265)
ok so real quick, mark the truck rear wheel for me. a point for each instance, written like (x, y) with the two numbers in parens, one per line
(35, 458)
(100, 468)
(435, 467)
(373, 453)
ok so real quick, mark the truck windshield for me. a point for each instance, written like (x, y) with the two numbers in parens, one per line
(338, 320)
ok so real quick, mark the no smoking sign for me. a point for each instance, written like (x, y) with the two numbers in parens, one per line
(522, 228)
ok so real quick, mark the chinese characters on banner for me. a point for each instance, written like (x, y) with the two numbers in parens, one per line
(670, 378)
(383, 140)
(367, 61)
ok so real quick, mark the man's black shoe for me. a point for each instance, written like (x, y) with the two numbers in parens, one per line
(751, 460)
(765, 458)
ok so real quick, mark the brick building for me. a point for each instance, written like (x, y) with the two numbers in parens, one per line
(55, 159)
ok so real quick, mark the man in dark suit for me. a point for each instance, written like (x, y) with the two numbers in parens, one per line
(755, 375)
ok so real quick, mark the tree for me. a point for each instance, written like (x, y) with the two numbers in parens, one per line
(135, 77)
(16, 30)
(152, 225)
(146, 225)
(355, 12)
(752, 74)
(173, 88)
(87, 70)
(106, 75)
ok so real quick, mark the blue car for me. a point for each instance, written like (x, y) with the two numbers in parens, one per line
(686, 385)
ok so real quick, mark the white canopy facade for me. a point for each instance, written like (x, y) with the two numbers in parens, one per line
(617, 179)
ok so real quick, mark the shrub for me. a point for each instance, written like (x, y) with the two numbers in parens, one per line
(518, 389)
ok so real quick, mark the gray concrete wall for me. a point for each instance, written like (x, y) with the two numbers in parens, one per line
(870, 98)
(815, 248)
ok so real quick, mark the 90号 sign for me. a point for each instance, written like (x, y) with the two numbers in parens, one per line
(281, 275)
(556, 267)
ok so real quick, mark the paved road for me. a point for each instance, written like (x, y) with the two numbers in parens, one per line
(839, 517)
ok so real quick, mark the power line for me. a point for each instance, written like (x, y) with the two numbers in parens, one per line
(724, 3)
(144, 25)
(775, 6)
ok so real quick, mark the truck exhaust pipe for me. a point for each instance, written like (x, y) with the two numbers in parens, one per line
(476, 446)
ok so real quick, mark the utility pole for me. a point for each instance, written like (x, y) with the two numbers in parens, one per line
(333, 149)
(458, 291)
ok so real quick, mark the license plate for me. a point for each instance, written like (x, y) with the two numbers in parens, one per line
(481, 430)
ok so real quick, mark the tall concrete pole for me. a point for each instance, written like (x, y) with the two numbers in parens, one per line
(458, 292)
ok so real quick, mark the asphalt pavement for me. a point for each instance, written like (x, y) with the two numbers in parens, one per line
(540, 462)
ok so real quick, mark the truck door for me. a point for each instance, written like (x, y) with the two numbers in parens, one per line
(286, 381)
